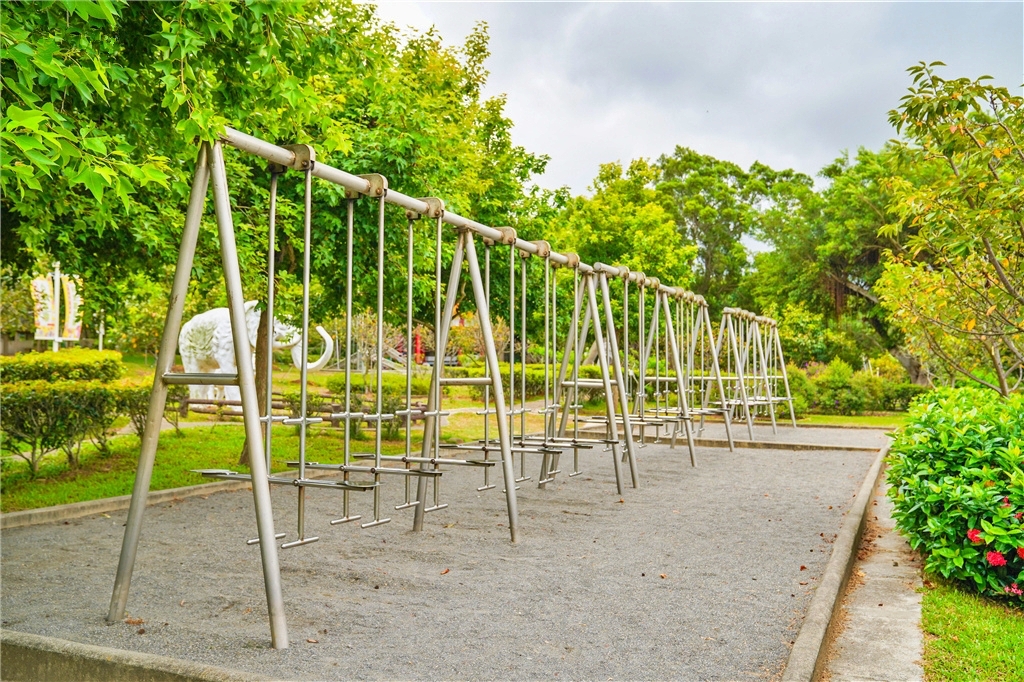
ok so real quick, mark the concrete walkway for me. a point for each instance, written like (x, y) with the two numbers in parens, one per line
(879, 636)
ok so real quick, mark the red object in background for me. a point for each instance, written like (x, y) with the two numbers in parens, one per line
(418, 345)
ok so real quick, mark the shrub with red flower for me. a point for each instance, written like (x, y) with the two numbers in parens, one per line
(957, 485)
(1013, 589)
(996, 558)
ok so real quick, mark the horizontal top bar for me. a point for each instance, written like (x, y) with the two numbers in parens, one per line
(286, 157)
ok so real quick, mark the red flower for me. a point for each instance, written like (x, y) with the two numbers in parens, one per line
(974, 535)
(1018, 515)
(1013, 589)
(996, 558)
(1020, 552)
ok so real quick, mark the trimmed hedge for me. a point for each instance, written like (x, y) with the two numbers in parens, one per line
(957, 487)
(77, 364)
(40, 417)
(391, 382)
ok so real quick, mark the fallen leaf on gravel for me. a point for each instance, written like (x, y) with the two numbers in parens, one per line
(622, 500)
(106, 516)
(803, 583)
(675, 511)
(181, 603)
(142, 631)
(134, 621)
(803, 568)
(449, 525)
(663, 575)
(246, 611)
(313, 641)
(445, 571)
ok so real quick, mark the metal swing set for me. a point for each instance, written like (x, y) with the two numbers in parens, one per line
(676, 335)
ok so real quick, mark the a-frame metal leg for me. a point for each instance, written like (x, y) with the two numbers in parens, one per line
(210, 162)
(250, 402)
(763, 365)
(782, 367)
(484, 315)
(726, 413)
(465, 250)
(620, 384)
(158, 396)
(432, 419)
(602, 356)
(684, 408)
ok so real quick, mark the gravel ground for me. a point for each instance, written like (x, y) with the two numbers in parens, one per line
(697, 575)
(816, 435)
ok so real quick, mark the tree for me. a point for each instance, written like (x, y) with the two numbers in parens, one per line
(828, 253)
(958, 290)
(707, 199)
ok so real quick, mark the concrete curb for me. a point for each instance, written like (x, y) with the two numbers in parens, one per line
(34, 657)
(63, 512)
(807, 658)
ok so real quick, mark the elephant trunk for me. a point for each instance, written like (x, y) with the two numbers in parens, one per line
(322, 361)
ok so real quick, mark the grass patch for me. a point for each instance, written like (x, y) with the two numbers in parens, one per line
(968, 637)
(892, 420)
(201, 447)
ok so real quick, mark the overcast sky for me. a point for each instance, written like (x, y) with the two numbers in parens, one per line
(788, 84)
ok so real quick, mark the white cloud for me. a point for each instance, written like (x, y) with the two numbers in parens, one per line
(787, 84)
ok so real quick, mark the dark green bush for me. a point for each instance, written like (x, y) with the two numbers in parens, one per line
(958, 488)
(897, 397)
(835, 390)
(801, 389)
(79, 364)
(391, 381)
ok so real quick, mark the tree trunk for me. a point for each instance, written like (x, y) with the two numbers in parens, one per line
(262, 349)
(911, 363)
(591, 356)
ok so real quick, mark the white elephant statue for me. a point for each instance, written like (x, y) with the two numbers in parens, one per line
(206, 346)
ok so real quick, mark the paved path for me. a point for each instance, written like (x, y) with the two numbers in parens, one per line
(702, 573)
(881, 635)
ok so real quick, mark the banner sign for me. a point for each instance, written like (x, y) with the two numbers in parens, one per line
(46, 314)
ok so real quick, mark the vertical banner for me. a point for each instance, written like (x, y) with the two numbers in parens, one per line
(72, 308)
(46, 315)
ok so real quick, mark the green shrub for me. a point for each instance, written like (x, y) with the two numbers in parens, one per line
(872, 387)
(835, 390)
(133, 402)
(958, 488)
(81, 364)
(40, 417)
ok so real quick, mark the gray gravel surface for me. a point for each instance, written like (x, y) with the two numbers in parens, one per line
(812, 435)
(695, 576)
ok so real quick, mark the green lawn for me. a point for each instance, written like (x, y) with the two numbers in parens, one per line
(202, 447)
(213, 446)
(891, 420)
(969, 638)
